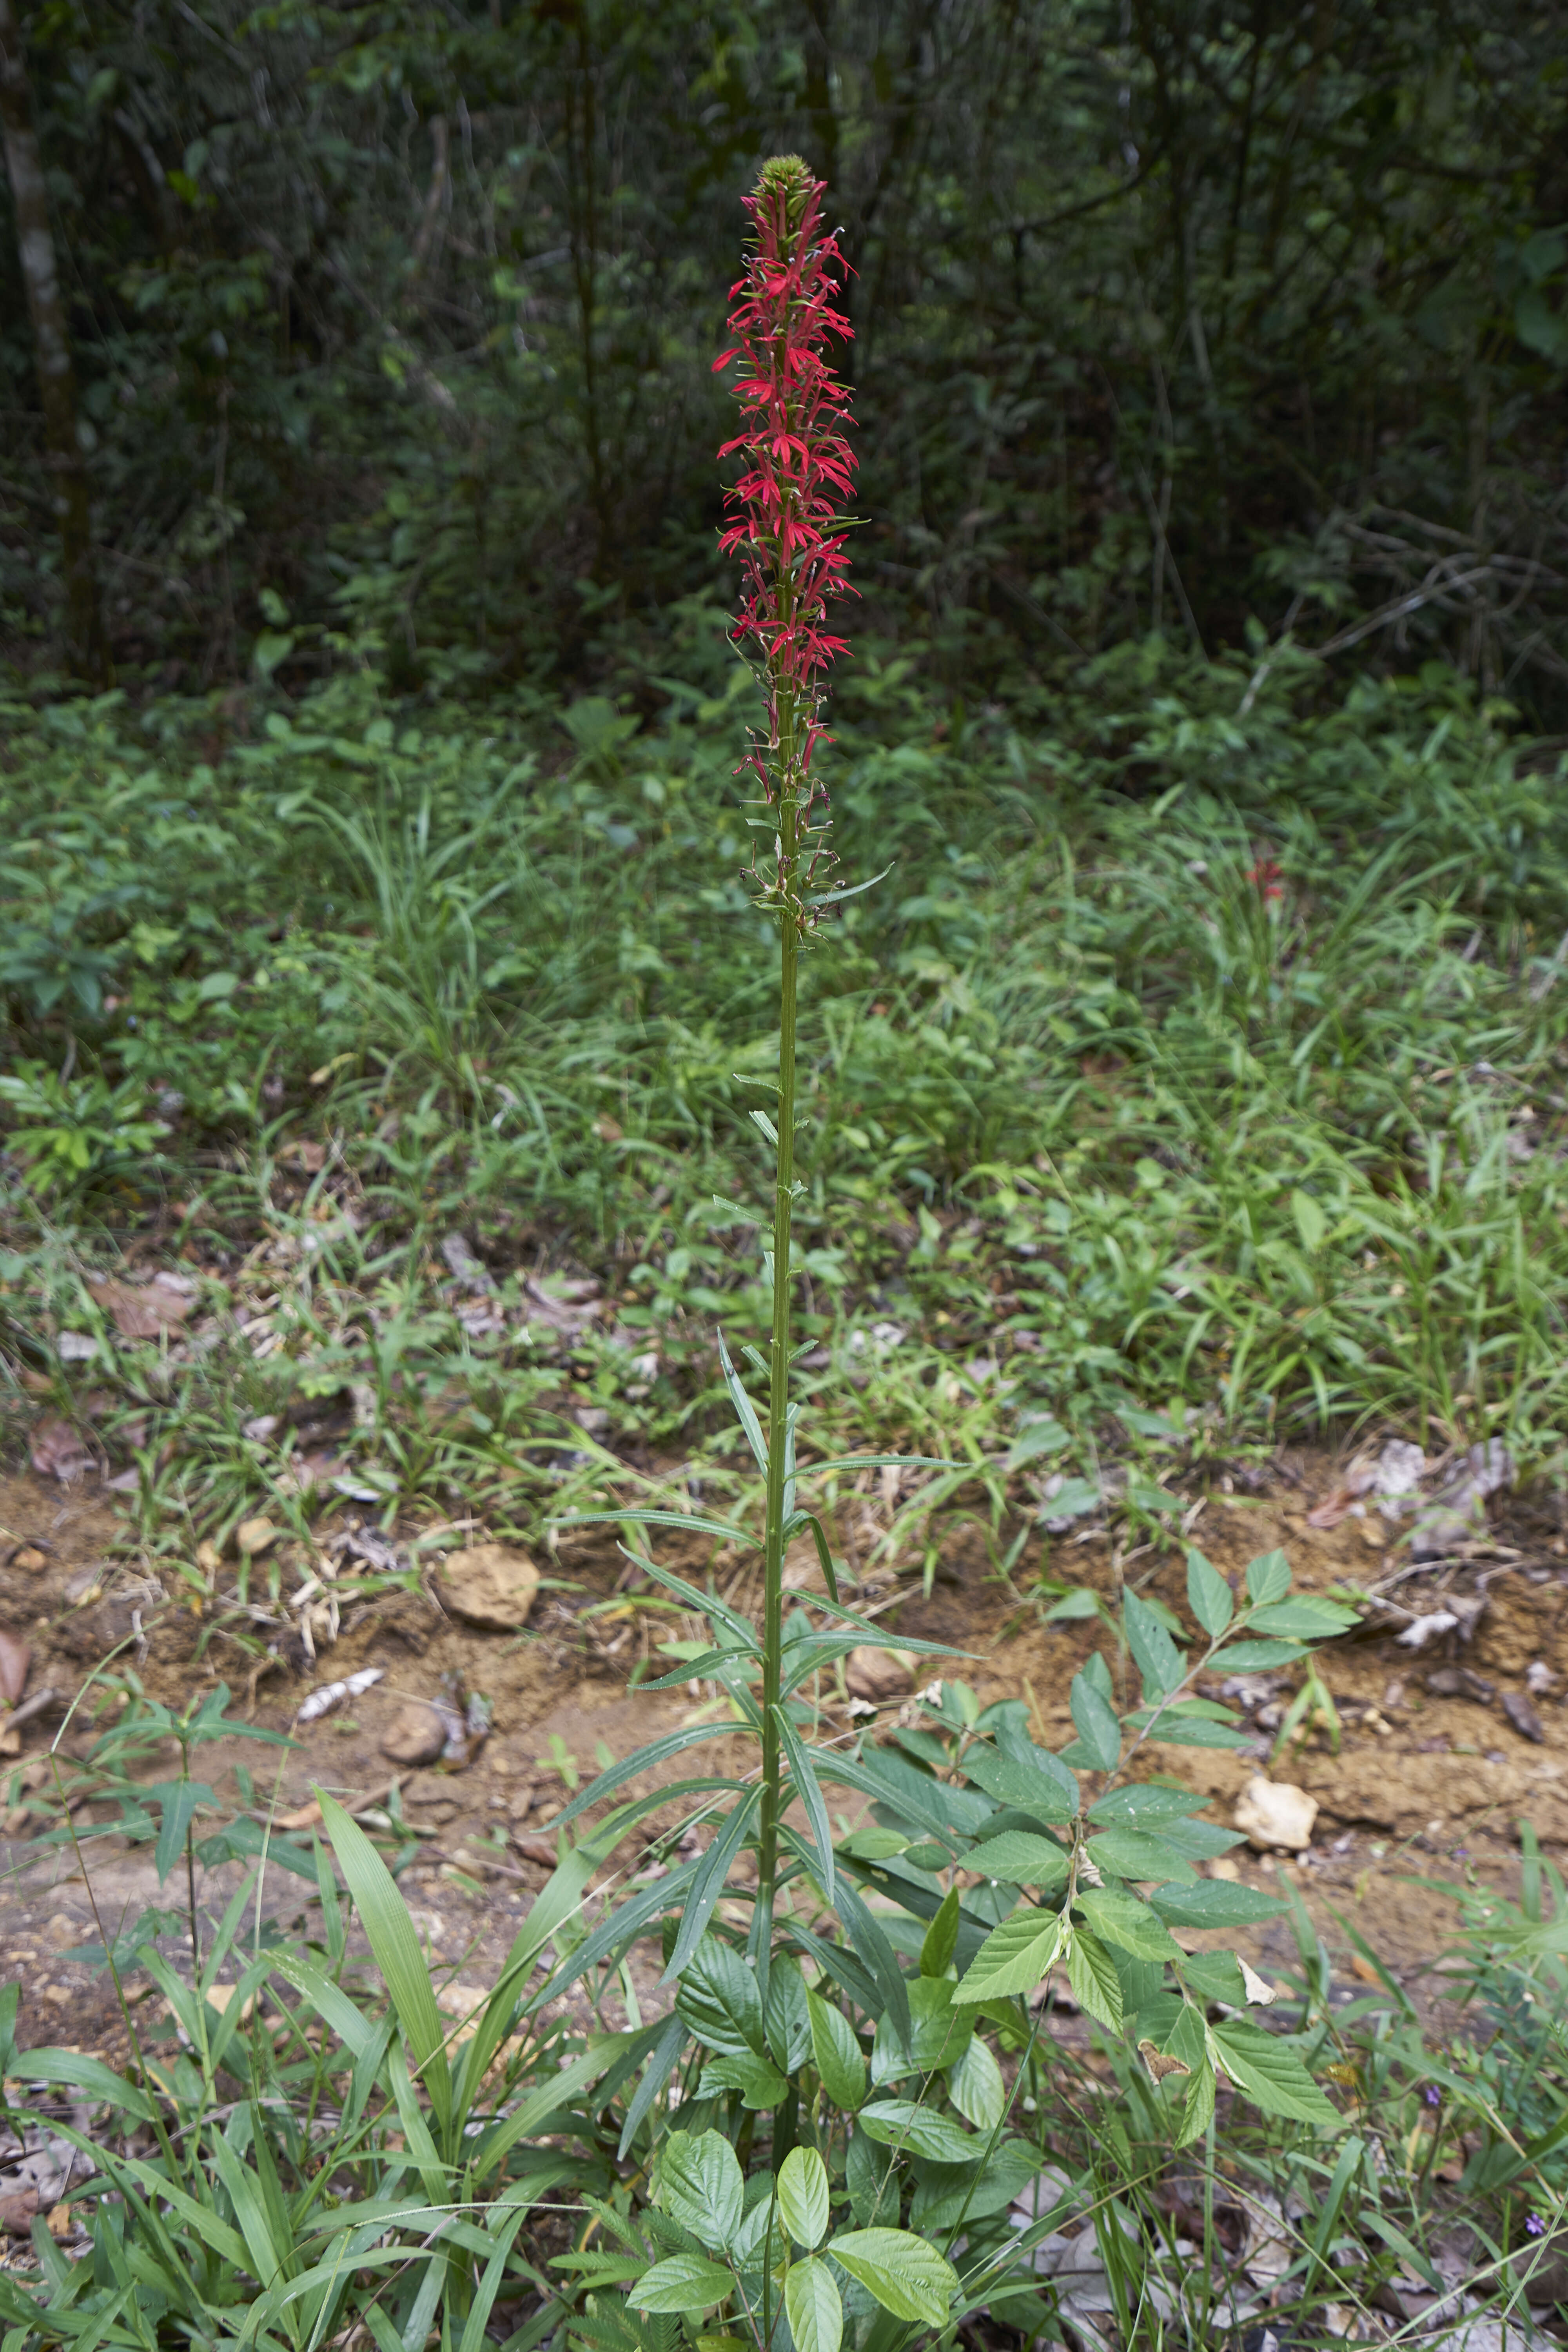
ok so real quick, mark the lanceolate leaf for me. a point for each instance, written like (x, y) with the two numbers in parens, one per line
(661, 2064)
(708, 1883)
(1157, 1658)
(745, 1410)
(1092, 1973)
(641, 1760)
(1020, 1858)
(803, 2196)
(691, 1522)
(628, 1920)
(1097, 1724)
(1208, 1594)
(875, 1950)
(1132, 1854)
(383, 1914)
(810, 1796)
(840, 2062)
(1215, 1903)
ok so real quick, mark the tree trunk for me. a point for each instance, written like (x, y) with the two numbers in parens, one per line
(86, 650)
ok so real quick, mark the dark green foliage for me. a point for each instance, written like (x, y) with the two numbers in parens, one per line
(395, 326)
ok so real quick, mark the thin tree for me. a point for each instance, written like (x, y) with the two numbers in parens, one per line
(87, 651)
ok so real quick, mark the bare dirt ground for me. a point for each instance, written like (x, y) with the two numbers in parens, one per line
(1428, 1784)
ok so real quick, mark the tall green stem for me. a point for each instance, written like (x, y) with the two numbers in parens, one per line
(779, 1352)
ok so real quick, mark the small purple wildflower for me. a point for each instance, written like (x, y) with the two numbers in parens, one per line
(1432, 2096)
(1535, 2227)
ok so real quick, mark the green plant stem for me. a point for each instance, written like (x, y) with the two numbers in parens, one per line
(778, 1363)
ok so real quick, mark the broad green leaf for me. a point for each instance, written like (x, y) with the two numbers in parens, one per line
(681, 2282)
(384, 1915)
(1198, 1841)
(1035, 1438)
(1214, 1902)
(939, 2024)
(700, 2186)
(1132, 1854)
(837, 2054)
(1015, 1957)
(1268, 1578)
(1097, 1724)
(1037, 1783)
(1121, 1919)
(1092, 1973)
(803, 2196)
(1208, 1594)
(1157, 1658)
(1145, 1804)
(814, 2307)
(1309, 1618)
(908, 2277)
(786, 2021)
(1020, 1859)
(920, 2131)
(975, 2086)
(941, 1938)
(1256, 1657)
(718, 2000)
(758, 2079)
(1271, 2075)
(179, 1800)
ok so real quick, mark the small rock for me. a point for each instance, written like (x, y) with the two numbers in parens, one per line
(16, 1657)
(30, 1561)
(1522, 1717)
(1274, 1813)
(1538, 1678)
(416, 1734)
(1437, 1533)
(878, 1673)
(255, 1535)
(490, 1586)
(1223, 1867)
(537, 1849)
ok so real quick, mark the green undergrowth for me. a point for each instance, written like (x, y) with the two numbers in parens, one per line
(1193, 1080)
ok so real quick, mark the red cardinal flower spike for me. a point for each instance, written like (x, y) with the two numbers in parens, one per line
(789, 529)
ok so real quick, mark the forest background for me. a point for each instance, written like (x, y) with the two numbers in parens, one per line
(369, 788)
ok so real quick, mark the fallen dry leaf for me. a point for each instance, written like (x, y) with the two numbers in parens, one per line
(1158, 2063)
(145, 1310)
(59, 2223)
(255, 1535)
(537, 1849)
(1362, 1968)
(16, 1657)
(306, 1817)
(58, 1451)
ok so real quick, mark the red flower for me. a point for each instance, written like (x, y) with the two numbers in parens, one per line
(789, 530)
(1267, 878)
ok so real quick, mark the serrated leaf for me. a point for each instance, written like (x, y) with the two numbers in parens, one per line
(1132, 1853)
(1127, 1924)
(1097, 1724)
(1024, 1776)
(1198, 2108)
(906, 2125)
(837, 2056)
(1271, 2075)
(976, 2087)
(1156, 1657)
(1208, 1594)
(1309, 1618)
(813, 2307)
(1214, 1902)
(1092, 1973)
(1256, 1657)
(758, 2079)
(1015, 1957)
(700, 2186)
(1268, 1578)
(908, 2277)
(1020, 1859)
(803, 2196)
(682, 2282)
(1144, 1805)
